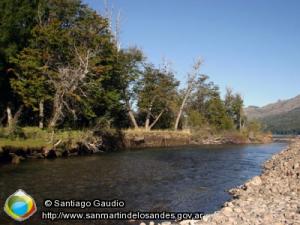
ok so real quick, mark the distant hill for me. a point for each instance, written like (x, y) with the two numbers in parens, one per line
(282, 117)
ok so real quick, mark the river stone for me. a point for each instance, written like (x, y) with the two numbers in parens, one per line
(15, 159)
(51, 154)
(188, 222)
(38, 156)
(205, 218)
(166, 223)
(270, 199)
(256, 181)
(237, 210)
(227, 211)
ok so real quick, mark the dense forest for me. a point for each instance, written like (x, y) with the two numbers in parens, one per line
(283, 124)
(61, 66)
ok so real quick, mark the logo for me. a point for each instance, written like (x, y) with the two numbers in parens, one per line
(20, 206)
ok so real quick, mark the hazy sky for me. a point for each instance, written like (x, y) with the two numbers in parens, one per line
(251, 46)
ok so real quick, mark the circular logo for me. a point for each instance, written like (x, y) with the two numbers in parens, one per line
(20, 206)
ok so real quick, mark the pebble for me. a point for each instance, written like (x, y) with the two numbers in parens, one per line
(272, 198)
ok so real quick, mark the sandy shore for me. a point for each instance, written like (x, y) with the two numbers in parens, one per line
(270, 199)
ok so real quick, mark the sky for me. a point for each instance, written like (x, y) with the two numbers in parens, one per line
(252, 46)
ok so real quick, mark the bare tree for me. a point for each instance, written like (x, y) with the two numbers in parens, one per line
(41, 114)
(131, 114)
(9, 116)
(149, 126)
(69, 80)
(13, 120)
(191, 83)
(166, 68)
(114, 22)
(148, 116)
(116, 31)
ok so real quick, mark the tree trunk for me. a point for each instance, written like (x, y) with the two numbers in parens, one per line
(131, 115)
(191, 84)
(156, 120)
(9, 117)
(132, 119)
(54, 119)
(240, 120)
(57, 111)
(181, 108)
(147, 122)
(41, 115)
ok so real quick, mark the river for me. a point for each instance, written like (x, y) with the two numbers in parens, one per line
(189, 179)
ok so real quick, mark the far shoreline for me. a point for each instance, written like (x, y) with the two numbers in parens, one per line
(77, 143)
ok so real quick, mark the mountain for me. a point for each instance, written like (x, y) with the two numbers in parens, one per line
(281, 117)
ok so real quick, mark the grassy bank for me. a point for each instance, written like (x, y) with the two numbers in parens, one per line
(141, 138)
(34, 137)
(32, 142)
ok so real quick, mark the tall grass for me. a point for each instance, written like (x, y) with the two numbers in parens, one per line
(34, 137)
(142, 131)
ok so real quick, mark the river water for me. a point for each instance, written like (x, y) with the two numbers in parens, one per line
(189, 179)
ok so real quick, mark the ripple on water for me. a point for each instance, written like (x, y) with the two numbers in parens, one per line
(177, 179)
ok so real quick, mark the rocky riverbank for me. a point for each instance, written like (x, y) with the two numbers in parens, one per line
(270, 199)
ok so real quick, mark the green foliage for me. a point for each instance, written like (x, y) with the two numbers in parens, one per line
(216, 114)
(62, 56)
(30, 82)
(207, 108)
(286, 123)
(204, 91)
(65, 32)
(234, 106)
(196, 120)
(254, 126)
(128, 65)
(12, 133)
(33, 137)
(17, 20)
(156, 91)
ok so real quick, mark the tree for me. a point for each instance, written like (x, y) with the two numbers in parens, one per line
(17, 19)
(234, 106)
(203, 92)
(129, 65)
(238, 106)
(191, 83)
(30, 81)
(70, 55)
(196, 119)
(156, 91)
(216, 114)
(90, 43)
